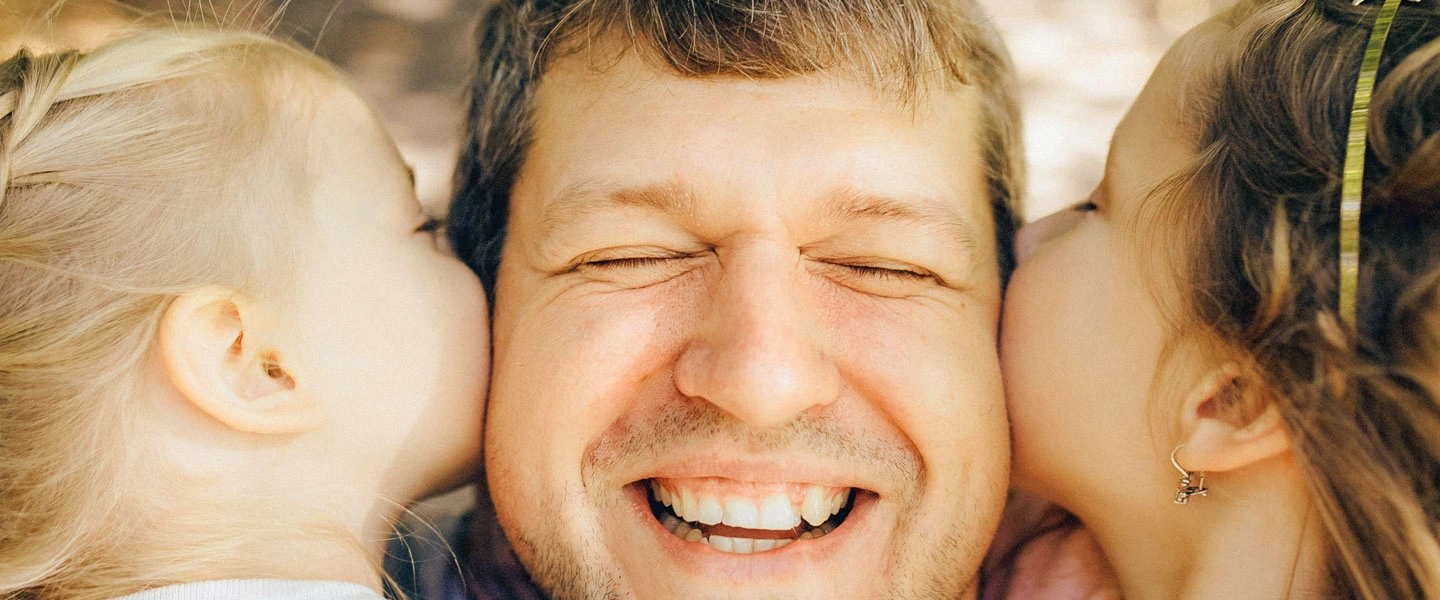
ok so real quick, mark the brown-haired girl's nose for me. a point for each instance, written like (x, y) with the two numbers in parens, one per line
(1031, 237)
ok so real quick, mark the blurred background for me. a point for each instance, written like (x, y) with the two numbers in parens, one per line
(1080, 62)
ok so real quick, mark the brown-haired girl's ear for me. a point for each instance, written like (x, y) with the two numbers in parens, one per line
(224, 369)
(1230, 422)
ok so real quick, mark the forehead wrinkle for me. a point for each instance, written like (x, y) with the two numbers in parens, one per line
(853, 205)
(582, 200)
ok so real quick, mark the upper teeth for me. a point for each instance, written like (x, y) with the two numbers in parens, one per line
(779, 511)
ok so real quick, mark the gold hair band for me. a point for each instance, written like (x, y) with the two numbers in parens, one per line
(1353, 186)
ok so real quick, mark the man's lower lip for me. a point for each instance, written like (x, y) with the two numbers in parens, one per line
(789, 558)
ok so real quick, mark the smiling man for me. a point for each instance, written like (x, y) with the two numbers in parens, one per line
(746, 260)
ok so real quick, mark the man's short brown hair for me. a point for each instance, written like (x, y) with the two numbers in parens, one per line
(898, 47)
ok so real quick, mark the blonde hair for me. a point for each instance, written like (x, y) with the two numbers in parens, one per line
(1259, 209)
(151, 166)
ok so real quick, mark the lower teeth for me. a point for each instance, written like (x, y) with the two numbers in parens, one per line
(685, 531)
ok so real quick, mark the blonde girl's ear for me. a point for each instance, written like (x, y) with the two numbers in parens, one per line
(220, 362)
(1229, 421)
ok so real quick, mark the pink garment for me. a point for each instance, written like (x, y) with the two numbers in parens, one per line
(1044, 553)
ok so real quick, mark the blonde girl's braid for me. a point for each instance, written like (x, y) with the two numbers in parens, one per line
(32, 85)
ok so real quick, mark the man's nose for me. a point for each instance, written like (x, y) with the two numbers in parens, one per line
(759, 354)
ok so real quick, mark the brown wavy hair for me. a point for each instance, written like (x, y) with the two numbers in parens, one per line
(1260, 208)
(898, 47)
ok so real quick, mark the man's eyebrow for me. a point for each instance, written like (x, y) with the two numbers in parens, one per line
(578, 201)
(930, 214)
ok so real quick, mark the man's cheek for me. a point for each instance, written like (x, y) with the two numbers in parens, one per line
(938, 380)
(582, 361)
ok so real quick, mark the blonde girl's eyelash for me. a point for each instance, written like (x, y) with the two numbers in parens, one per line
(1086, 206)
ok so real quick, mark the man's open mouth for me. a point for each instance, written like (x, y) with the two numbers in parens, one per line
(758, 519)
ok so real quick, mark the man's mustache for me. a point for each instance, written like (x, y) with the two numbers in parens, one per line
(690, 425)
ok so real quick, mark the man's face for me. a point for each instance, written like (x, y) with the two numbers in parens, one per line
(745, 340)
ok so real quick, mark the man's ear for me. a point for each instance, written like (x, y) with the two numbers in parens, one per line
(1230, 422)
(216, 359)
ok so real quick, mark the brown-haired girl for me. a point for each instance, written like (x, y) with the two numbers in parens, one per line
(1183, 375)
(225, 323)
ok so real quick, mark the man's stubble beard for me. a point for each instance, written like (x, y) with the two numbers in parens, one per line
(571, 567)
(561, 575)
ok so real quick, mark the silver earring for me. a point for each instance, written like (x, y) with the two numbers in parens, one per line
(1185, 490)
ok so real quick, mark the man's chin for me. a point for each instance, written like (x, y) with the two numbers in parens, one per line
(662, 556)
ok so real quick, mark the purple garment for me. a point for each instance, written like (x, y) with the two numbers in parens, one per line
(494, 571)
(458, 559)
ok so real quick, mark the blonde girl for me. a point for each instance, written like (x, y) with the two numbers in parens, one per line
(231, 346)
(1180, 374)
